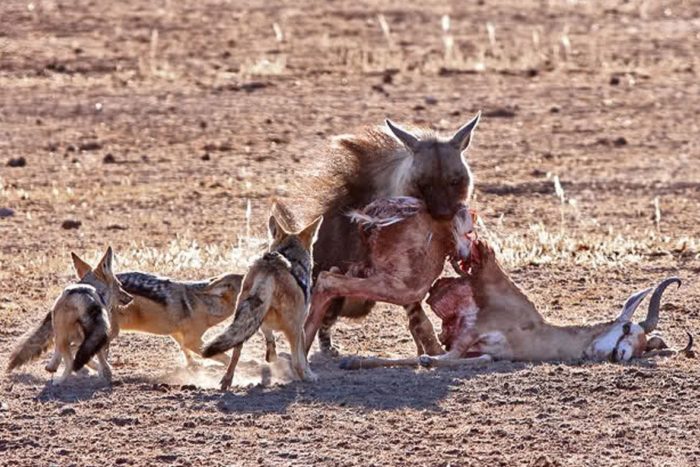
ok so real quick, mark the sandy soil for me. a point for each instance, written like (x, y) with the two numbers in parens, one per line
(154, 124)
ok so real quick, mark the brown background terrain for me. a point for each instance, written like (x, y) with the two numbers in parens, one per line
(154, 124)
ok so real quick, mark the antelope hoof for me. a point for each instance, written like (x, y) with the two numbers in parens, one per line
(426, 361)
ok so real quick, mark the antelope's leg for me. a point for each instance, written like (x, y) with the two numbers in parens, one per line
(422, 330)
(360, 363)
(437, 362)
(378, 288)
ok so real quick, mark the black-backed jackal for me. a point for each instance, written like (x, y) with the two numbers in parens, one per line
(183, 310)
(275, 296)
(82, 316)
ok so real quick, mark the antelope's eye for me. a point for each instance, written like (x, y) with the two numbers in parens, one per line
(626, 328)
(456, 182)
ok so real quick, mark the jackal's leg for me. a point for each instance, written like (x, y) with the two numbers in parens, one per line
(192, 343)
(295, 336)
(105, 370)
(270, 346)
(228, 376)
(53, 363)
(63, 347)
(378, 288)
(422, 330)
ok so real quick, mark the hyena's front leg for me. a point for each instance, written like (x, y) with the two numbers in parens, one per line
(422, 330)
(330, 317)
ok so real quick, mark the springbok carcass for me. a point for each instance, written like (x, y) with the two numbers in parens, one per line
(486, 317)
(408, 249)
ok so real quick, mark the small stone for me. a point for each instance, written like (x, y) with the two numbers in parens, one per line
(430, 100)
(6, 212)
(614, 81)
(206, 157)
(109, 159)
(621, 141)
(189, 424)
(17, 162)
(67, 411)
(90, 146)
(70, 224)
(554, 109)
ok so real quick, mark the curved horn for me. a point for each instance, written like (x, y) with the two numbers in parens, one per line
(652, 319)
(631, 305)
(688, 348)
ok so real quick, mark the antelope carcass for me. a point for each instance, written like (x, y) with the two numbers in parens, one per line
(408, 248)
(486, 317)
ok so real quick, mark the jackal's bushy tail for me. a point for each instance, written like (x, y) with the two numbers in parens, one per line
(32, 344)
(250, 313)
(96, 328)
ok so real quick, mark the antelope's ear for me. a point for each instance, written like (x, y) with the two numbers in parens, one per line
(407, 139)
(655, 343)
(631, 305)
(80, 266)
(463, 136)
(105, 264)
(310, 233)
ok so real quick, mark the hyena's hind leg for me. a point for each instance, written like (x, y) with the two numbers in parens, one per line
(270, 345)
(422, 331)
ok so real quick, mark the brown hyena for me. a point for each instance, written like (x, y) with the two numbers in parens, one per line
(381, 163)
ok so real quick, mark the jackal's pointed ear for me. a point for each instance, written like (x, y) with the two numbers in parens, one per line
(81, 267)
(463, 136)
(105, 264)
(408, 139)
(275, 229)
(310, 233)
(631, 305)
(222, 284)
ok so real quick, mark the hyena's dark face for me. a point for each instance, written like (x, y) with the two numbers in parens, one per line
(439, 174)
(441, 178)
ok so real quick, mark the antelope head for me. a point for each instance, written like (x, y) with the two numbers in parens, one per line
(624, 339)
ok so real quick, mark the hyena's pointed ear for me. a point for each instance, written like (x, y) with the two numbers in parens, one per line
(408, 139)
(81, 267)
(463, 136)
(105, 264)
(310, 233)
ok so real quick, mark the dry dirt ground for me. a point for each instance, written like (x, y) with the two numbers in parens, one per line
(166, 128)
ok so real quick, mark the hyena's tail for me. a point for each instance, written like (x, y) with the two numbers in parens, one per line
(32, 345)
(96, 329)
(250, 313)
